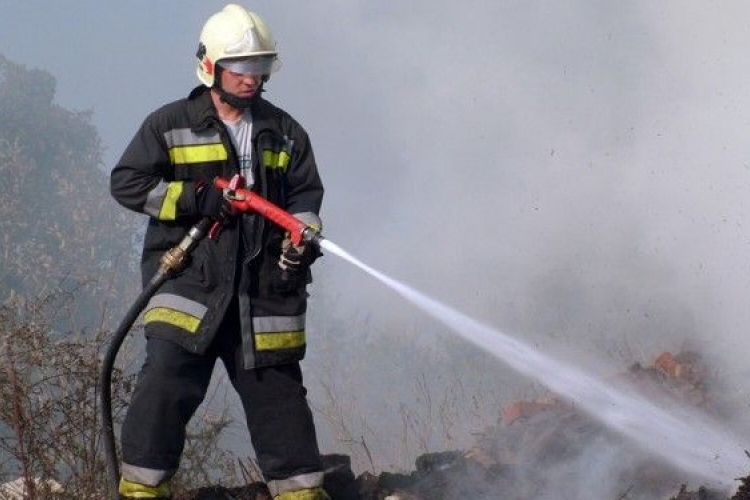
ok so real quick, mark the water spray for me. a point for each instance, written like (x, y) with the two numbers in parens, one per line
(690, 442)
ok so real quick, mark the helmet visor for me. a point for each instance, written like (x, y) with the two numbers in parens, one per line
(258, 65)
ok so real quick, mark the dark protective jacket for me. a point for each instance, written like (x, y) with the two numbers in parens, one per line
(181, 146)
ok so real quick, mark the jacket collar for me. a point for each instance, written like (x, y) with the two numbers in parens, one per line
(202, 112)
(201, 109)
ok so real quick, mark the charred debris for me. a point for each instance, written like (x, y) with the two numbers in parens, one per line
(539, 449)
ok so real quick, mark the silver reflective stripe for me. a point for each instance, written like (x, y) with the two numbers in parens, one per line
(302, 481)
(271, 324)
(186, 137)
(155, 199)
(311, 219)
(172, 301)
(142, 475)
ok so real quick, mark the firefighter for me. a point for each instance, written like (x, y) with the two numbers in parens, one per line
(242, 297)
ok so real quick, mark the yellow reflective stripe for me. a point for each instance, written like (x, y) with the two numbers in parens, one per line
(169, 205)
(284, 160)
(269, 158)
(172, 317)
(272, 159)
(197, 153)
(130, 489)
(279, 340)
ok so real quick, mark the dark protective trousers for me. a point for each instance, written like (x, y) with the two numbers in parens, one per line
(173, 382)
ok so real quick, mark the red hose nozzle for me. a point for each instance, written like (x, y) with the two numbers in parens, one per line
(245, 200)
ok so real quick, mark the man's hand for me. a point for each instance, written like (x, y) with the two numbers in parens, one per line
(293, 264)
(210, 202)
(294, 258)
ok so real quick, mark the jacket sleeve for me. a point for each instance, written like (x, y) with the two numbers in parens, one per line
(143, 179)
(304, 190)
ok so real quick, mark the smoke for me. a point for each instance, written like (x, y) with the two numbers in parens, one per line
(575, 173)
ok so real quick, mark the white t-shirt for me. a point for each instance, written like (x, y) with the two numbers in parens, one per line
(241, 133)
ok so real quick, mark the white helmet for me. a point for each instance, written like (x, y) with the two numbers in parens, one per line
(238, 38)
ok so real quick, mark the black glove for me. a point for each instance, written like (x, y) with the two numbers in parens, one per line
(210, 202)
(294, 258)
(292, 266)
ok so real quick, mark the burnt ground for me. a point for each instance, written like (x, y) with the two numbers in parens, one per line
(539, 449)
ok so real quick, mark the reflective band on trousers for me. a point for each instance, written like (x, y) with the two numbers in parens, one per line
(310, 483)
(279, 332)
(175, 310)
(129, 489)
(145, 476)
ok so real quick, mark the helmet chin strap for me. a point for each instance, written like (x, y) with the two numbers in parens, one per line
(234, 100)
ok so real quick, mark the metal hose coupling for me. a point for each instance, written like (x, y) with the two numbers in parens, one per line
(311, 235)
(175, 258)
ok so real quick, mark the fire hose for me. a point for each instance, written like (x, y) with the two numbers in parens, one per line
(242, 200)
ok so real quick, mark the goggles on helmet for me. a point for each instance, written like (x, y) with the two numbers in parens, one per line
(257, 65)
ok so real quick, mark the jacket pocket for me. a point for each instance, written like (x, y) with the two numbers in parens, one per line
(199, 273)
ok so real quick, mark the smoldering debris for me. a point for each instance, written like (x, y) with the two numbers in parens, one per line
(252, 491)
(544, 449)
(743, 493)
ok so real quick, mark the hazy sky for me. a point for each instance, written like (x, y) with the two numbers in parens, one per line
(575, 172)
